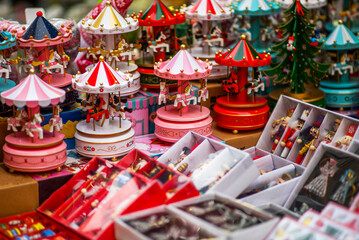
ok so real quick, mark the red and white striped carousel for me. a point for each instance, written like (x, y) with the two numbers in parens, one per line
(106, 132)
(30, 148)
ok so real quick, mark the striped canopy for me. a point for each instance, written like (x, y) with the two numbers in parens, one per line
(33, 92)
(7, 40)
(310, 4)
(101, 79)
(341, 38)
(109, 21)
(243, 55)
(256, 7)
(159, 15)
(183, 67)
(208, 10)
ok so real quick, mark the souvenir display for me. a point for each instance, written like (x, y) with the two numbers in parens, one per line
(42, 44)
(7, 40)
(157, 39)
(342, 86)
(241, 111)
(33, 149)
(298, 50)
(106, 132)
(174, 121)
(208, 33)
(108, 41)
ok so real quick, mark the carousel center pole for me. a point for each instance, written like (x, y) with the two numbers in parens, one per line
(242, 74)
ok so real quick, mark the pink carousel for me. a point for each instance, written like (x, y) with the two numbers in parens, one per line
(106, 132)
(174, 121)
(30, 148)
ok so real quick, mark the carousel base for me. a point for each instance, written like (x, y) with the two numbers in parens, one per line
(170, 126)
(312, 95)
(340, 95)
(106, 142)
(230, 113)
(57, 79)
(23, 155)
(5, 86)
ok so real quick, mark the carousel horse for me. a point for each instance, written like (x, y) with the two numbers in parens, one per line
(268, 33)
(56, 121)
(93, 52)
(255, 85)
(341, 67)
(52, 64)
(97, 111)
(159, 43)
(230, 85)
(164, 92)
(246, 26)
(214, 37)
(4, 67)
(186, 98)
(20, 118)
(123, 49)
(203, 91)
(34, 126)
(117, 108)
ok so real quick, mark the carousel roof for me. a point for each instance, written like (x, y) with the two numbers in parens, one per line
(243, 55)
(159, 15)
(7, 40)
(109, 21)
(101, 79)
(183, 66)
(310, 4)
(42, 33)
(33, 92)
(341, 38)
(256, 7)
(208, 10)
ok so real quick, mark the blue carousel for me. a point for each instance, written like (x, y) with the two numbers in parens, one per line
(342, 86)
(7, 40)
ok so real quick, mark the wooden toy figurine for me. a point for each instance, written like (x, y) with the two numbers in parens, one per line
(33, 149)
(101, 135)
(279, 127)
(347, 139)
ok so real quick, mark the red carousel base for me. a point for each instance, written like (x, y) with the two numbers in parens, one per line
(230, 113)
(170, 126)
(23, 155)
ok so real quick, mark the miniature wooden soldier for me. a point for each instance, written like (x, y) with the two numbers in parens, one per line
(279, 126)
(330, 133)
(346, 140)
(308, 138)
(292, 133)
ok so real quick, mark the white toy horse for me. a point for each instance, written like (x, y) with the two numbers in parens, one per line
(246, 30)
(256, 84)
(34, 126)
(97, 50)
(186, 98)
(56, 121)
(5, 68)
(215, 37)
(342, 67)
(20, 118)
(52, 64)
(115, 107)
(203, 91)
(164, 92)
(159, 43)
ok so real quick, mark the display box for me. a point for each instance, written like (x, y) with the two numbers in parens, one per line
(125, 231)
(277, 210)
(259, 224)
(342, 215)
(212, 166)
(329, 176)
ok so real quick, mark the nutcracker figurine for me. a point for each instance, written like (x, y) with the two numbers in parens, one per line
(292, 133)
(307, 138)
(347, 139)
(328, 138)
(279, 127)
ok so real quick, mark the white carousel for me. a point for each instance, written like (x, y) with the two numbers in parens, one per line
(111, 26)
(106, 132)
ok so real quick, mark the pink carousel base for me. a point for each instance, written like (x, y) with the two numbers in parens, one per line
(21, 154)
(58, 79)
(170, 126)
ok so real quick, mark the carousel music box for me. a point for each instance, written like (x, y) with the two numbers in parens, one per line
(157, 38)
(7, 40)
(309, 4)
(111, 44)
(208, 35)
(42, 44)
(30, 148)
(106, 132)
(241, 109)
(340, 88)
(174, 121)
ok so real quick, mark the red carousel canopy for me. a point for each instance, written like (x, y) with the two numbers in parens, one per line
(159, 15)
(243, 55)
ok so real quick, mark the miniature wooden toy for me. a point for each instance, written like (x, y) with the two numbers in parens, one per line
(341, 89)
(173, 121)
(33, 149)
(346, 140)
(279, 127)
(112, 45)
(103, 133)
(157, 38)
(240, 111)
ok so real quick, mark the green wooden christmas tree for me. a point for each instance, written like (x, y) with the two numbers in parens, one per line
(298, 49)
